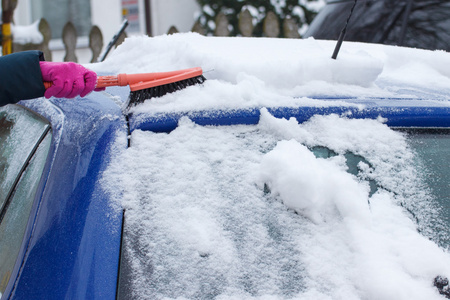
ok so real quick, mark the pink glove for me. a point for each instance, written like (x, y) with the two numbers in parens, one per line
(68, 79)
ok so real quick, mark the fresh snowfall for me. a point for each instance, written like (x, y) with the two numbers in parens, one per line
(333, 208)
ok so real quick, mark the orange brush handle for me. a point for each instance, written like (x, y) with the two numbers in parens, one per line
(102, 81)
(143, 80)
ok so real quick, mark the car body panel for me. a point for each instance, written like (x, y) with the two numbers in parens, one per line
(397, 112)
(395, 117)
(73, 236)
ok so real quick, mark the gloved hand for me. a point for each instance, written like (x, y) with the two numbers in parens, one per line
(68, 79)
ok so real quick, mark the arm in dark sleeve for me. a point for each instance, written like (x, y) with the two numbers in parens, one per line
(20, 77)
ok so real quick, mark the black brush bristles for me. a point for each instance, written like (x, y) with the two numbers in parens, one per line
(137, 97)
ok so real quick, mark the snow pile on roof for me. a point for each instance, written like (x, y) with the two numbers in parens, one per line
(256, 72)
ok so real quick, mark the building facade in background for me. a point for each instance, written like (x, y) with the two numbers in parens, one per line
(150, 17)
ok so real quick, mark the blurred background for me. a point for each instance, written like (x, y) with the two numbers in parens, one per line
(34, 22)
(83, 30)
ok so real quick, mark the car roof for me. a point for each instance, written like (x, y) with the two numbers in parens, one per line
(248, 74)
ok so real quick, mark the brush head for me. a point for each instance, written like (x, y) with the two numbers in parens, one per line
(140, 96)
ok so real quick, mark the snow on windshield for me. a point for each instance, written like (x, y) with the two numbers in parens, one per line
(328, 209)
(257, 212)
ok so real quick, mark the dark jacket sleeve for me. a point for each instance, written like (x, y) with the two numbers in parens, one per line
(20, 77)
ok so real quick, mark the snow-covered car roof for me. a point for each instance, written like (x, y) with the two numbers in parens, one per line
(256, 72)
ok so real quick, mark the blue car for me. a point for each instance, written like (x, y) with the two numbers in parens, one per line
(54, 214)
(100, 202)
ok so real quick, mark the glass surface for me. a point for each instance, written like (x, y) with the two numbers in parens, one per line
(20, 130)
(433, 160)
(14, 222)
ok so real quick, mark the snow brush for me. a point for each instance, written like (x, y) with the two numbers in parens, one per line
(145, 86)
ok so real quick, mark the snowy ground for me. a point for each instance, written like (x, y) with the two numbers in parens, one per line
(327, 209)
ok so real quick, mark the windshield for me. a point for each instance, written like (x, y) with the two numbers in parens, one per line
(332, 208)
(432, 154)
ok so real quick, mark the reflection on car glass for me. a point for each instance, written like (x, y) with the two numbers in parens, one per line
(20, 133)
(23, 130)
(14, 221)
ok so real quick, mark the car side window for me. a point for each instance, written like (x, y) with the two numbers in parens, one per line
(20, 130)
(25, 140)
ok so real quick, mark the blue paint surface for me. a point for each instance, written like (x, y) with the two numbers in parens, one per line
(72, 242)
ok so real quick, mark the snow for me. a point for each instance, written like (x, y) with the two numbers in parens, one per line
(293, 70)
(259, 212)
(313, 5)
(27, 34)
